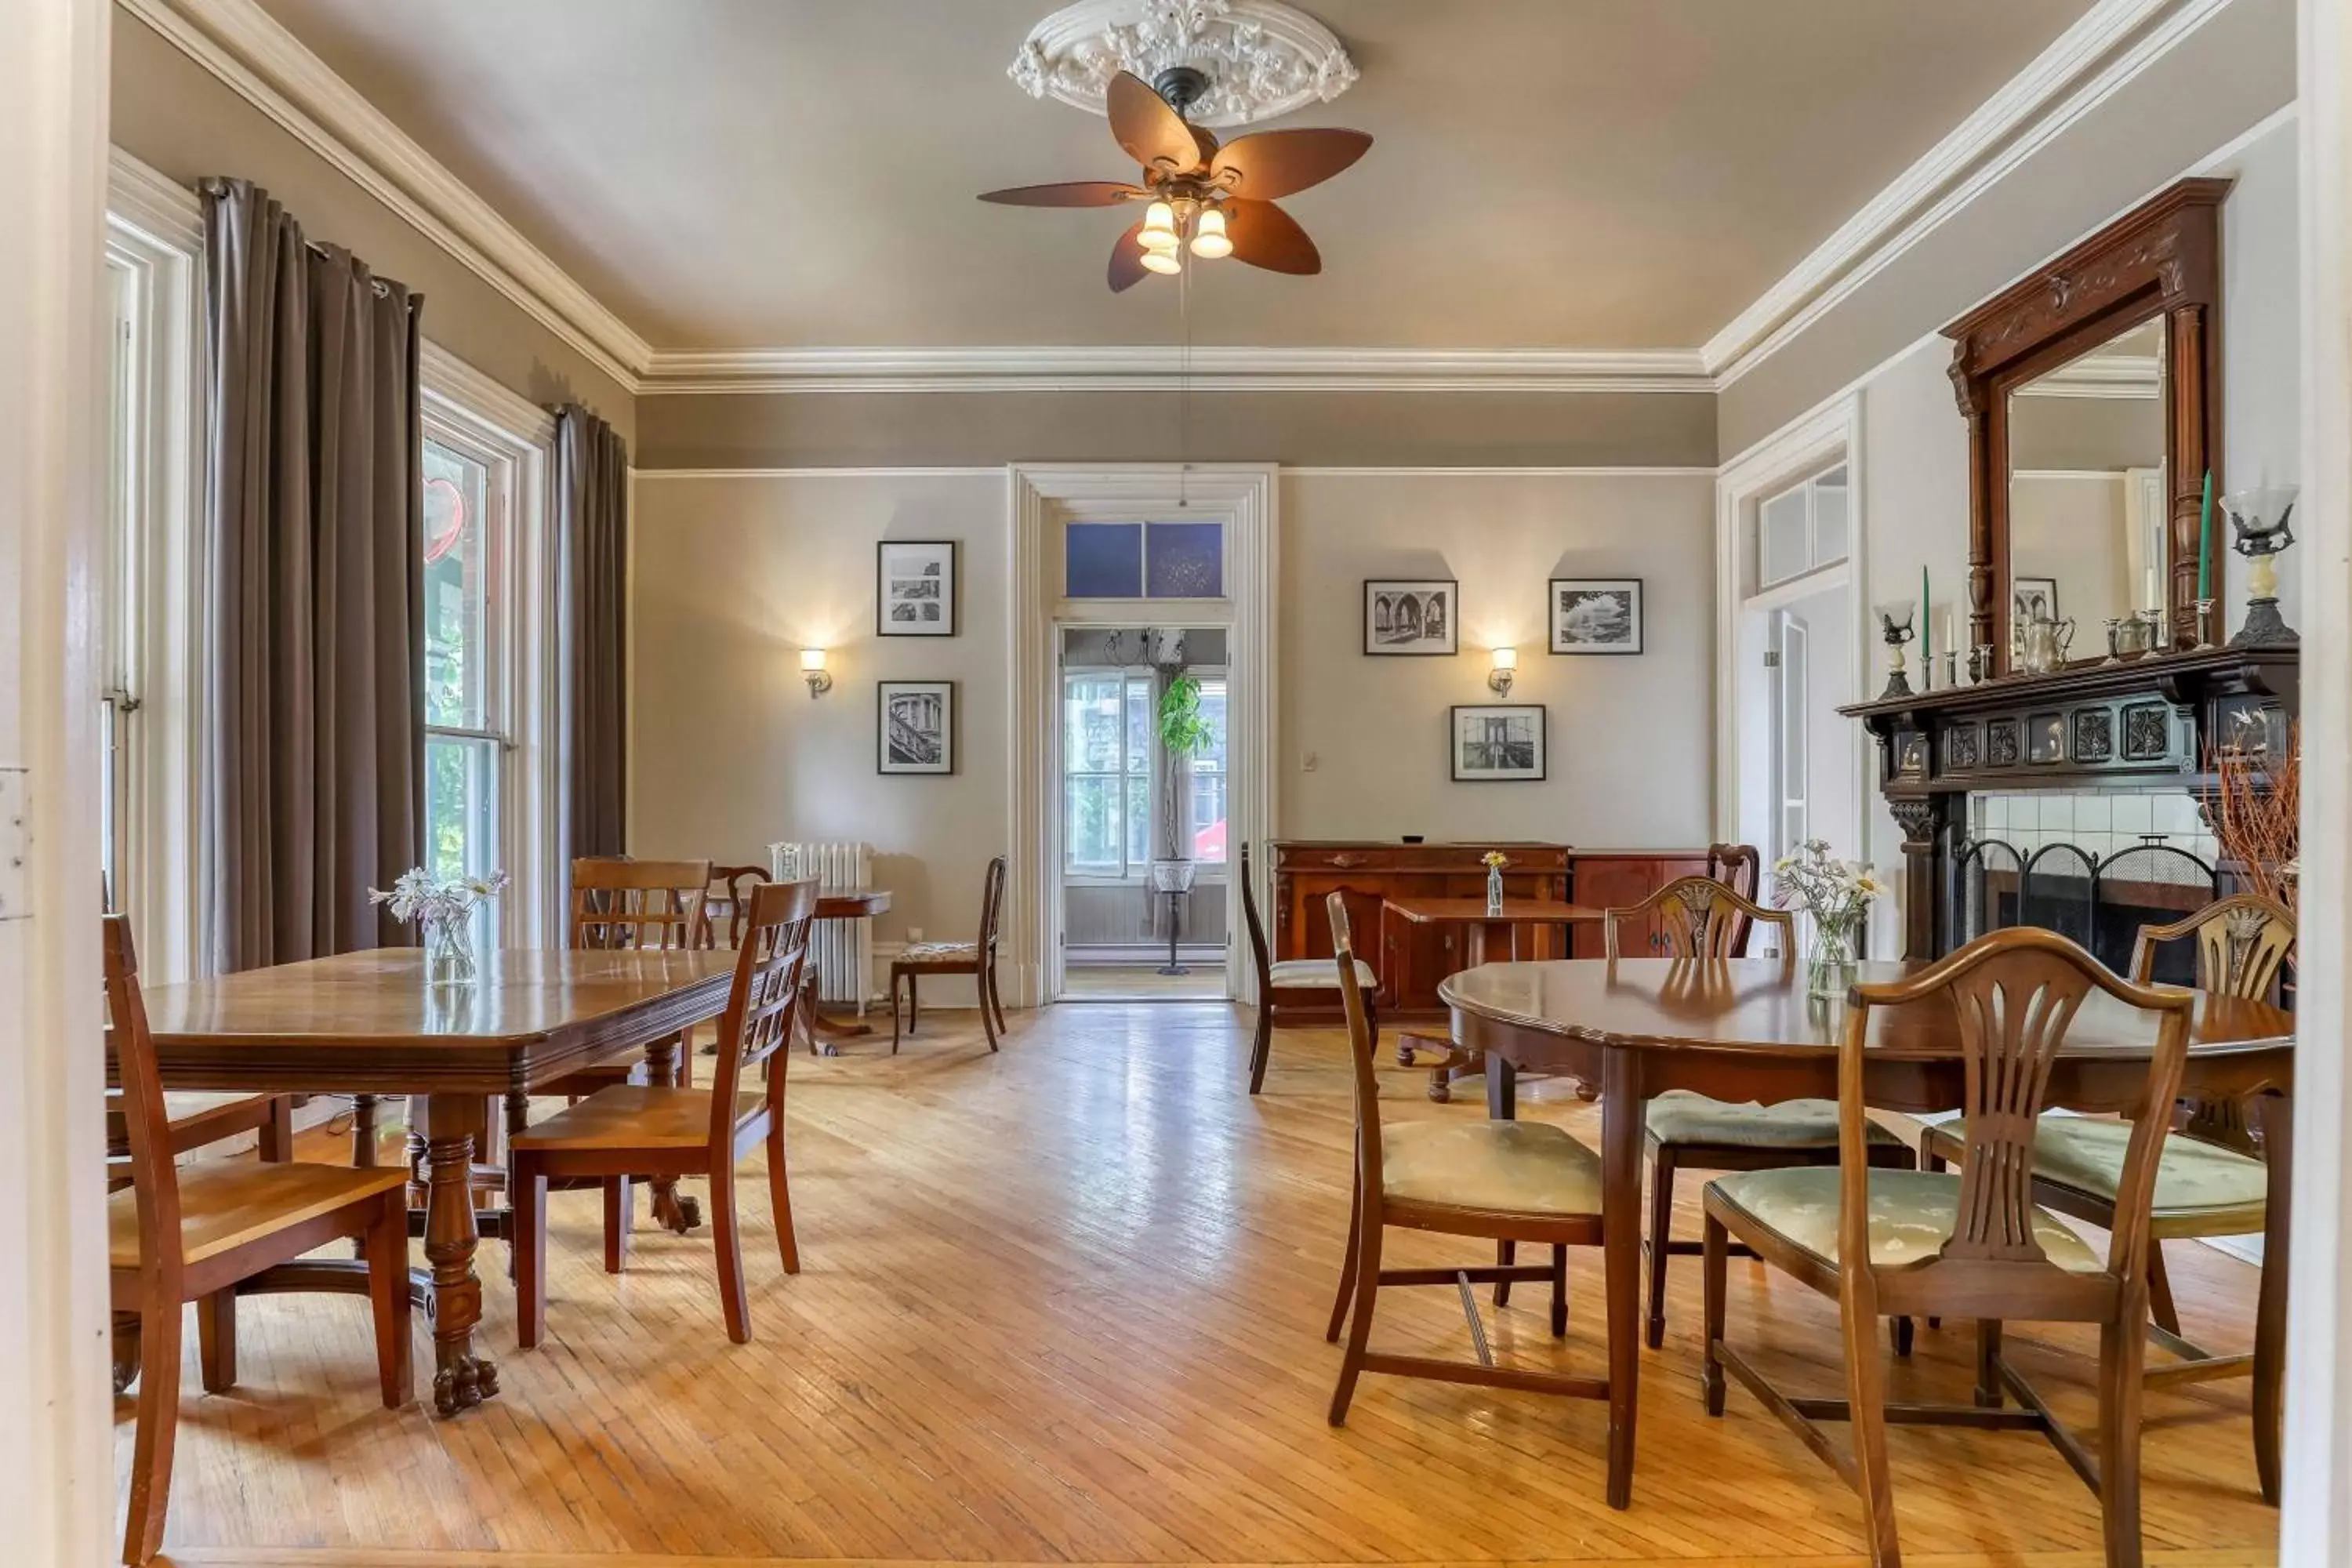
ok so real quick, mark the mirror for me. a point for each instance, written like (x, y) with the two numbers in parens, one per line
(2089, 499)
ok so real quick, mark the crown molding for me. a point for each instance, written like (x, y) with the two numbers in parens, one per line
(2092, 60)
(1154, 368)
(153, 203)
(256, 57)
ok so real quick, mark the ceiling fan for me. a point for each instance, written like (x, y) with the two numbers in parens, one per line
(1216, 200)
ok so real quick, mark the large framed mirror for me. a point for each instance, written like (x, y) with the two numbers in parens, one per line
(2092, 389)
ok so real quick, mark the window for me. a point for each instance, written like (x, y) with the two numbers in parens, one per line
(1208, 823)
(466, 734)
(1143, 561)
(1803, 528)
(1107, 746)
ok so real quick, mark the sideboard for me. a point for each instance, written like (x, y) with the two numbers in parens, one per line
(1413, 959)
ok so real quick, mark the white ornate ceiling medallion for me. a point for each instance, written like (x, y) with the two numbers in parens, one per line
(1261, 58)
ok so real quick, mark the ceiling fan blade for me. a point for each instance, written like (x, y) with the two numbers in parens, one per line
(1071, 193)
(1126, 259)
(1265, 236)
(1276, 163)
(1153, 134)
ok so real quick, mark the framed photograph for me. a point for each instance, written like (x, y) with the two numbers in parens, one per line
(915, 588)
(915, 732)
(2036, 598)
(1412, 617)
(1498, 743)
(1596, 614)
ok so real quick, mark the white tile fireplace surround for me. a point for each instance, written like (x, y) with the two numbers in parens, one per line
(2099, 822)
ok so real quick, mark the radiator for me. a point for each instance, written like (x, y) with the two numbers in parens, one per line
(844, 950)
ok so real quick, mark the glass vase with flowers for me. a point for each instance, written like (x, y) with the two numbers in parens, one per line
(1836, 896)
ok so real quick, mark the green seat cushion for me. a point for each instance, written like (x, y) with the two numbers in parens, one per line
(1911, 1215)
(1504, 1167)
(1315, 974)
(1680, 1116)
(2201, 1189)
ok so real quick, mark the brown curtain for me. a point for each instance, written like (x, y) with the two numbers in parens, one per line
(591, 520)
(314, 545)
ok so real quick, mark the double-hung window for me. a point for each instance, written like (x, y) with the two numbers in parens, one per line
(1107, 743)
(468, 534)
(1208, 820)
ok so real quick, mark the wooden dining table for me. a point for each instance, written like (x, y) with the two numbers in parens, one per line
(368, 1023)
(1747, 1029)
(1490, 934)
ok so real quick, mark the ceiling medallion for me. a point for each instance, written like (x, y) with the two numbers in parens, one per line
(1261, 58)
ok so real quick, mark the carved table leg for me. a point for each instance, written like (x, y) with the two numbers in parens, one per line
(451, 1124)
(672, 1211)
(1623, 1114)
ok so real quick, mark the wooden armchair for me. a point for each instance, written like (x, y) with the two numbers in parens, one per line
(177, 1236)
(1290, 975)
(1707, 919)
(669, 1130)
(2202, 1187)
(1972, 1245)
(977, 958)
(1504, 1181)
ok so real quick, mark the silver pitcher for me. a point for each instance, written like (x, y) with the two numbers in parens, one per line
(2043, 644)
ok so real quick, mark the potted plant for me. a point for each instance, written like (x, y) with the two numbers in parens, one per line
(1183, 735)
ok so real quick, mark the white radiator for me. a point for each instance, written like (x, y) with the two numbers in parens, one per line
(843, 949)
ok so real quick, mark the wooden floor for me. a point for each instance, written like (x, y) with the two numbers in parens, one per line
(1065, 1305)
(1143, 982)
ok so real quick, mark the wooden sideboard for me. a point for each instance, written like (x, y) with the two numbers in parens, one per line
(1413, 958)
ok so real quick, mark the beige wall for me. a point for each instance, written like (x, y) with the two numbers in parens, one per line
(175, 116)
(1629, 736)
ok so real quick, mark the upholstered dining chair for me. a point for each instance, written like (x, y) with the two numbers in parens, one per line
(1972, 1244)
(1706, 919)
(977, 958)
(669, 1130)
(176, 1235)
(2203, 1187)
(1504, 1181)
(1295, 975)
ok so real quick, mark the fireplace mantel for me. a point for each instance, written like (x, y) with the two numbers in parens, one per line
(2151, 722)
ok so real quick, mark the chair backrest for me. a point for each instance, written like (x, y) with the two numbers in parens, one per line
(622, 903)
(154, 1177)
(733, 886)
(1259, 954)
(1366, 1083)
(1739, 868)
(991, 907)
(2013, 994)
(762, 1003)
(1700, 918)
(2242, 943)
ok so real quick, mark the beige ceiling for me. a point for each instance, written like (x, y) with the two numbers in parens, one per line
(1547, 173)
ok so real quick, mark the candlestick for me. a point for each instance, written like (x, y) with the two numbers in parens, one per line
(2151, 600)
(2205, 541)
(1926, 643)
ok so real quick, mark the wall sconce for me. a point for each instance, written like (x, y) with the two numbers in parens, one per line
(1507, 664)
(813, 670)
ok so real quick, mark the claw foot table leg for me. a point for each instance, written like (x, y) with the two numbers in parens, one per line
(453, 1124)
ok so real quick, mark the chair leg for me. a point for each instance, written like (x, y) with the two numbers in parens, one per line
(2122, 1348)
(987, 1014)
(2270, 1384)
(726, 1235)
(914, 1001)
(126, 1351)
(216, 1339)
(2159, 1289)
(1865, 1375)
(1506, 1253)
(1373, 1022)
(1715, 1257)
(1347, 1262)
(780, 1196)
(620, 1210)
(159, 1421)
(1661, 1220)
(363, 1143)
(996, 994)
(1558, 1290)
(527, 1199)
(1261, 1042)
(895, 978)
(277, 1135)
(388, 1295)
(1360, 1326)
(1988, 1393)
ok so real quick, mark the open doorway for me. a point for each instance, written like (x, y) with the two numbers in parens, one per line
(1143, 850)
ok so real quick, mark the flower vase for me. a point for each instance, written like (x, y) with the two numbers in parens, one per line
(449, 951)
(1830, 967)
(1494, 889)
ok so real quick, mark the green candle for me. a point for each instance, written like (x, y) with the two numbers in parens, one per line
(2205, 544)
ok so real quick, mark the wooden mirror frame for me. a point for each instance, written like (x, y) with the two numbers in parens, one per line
(2161, 259)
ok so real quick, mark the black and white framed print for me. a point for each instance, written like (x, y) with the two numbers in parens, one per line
(916, 727)
(915, 587)
(1596, 614)
(1498, 743)
(2037, 600)
(1409, 617)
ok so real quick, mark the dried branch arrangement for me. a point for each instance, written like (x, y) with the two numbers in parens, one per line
(2258, 819)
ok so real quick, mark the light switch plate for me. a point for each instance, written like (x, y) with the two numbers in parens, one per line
(15, 844)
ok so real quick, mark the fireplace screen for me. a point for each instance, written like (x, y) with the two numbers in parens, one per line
(2100, 903)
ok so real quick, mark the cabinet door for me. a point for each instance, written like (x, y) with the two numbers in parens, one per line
(1616, 884)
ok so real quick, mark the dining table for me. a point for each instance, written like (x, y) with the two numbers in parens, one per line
(1753, 1030)
(1491, 931)
(371, 1023)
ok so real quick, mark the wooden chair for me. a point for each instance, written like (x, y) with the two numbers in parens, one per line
(2203, 1187)
(1972, 1245)
(1506, 1181)
(730, 894)
(977, 958)
(1707, 919)
(1739, 868)
(1292, 975)
(177, 1236)
(669, 1130)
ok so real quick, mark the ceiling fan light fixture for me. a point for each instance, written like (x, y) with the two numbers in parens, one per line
(1209, 238)
(1167, 263)
(1160, 227)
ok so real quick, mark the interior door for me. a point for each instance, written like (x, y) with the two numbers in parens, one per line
(1791, 669)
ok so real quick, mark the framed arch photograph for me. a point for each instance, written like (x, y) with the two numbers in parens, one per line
(1412, 617)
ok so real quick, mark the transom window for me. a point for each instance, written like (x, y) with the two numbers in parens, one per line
(1803, 528)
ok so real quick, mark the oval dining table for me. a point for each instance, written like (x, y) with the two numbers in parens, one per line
(1748, 1029)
